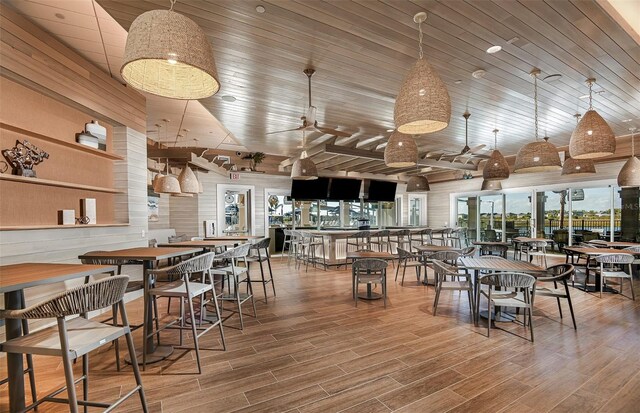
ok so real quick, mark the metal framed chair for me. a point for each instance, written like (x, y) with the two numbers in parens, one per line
(612, 266)
(187, 290)
(408, 259)
(233, 274)
(454, 238)
(537, 249)
(370, 271)
(359, 240)
(510, 289)
(558, 274)
(459, 282)
(468, 252)
(402, 239)
(422, 237)
(287, 244)
(382, 239)
(497, 250)
(259, 252)
(75, 338)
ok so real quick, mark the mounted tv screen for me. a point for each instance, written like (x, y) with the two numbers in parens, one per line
(302, 190)
(344, 189)
(382, 191)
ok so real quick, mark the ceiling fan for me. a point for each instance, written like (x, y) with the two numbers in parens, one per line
(309, 122)
(466, 150)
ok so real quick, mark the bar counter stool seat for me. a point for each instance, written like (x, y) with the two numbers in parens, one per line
(260, 254)
(75, 338)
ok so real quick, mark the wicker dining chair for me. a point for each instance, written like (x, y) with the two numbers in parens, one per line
(537, 249)
(459, 282)
(187, 290)
(408, 259)
(75, 338)
(370, 271)
(557, 274)
(495, 249)
(510, 289)
(612, 266)
(422, 237)
(382, 239)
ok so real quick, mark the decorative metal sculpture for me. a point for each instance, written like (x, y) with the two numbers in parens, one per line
(23, 157)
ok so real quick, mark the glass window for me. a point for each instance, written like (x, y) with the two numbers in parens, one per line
(280, 210)
(590, 213)
(329, 214)
(626, 208)
(236, 212)
(387, 214)
(415, 211)
(351, 213)
(518, 215)
(552, 216)
(306, 214)
(491, 218)
(370, 212)
(467, 217)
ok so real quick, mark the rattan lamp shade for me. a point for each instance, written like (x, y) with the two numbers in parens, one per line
(423, 104)
(401, 151)
(491, 185)
(168, 184)
(188, 181)
(629, 175)
(418, 184)
(304, 169)
(496, 167)
(592, 138)
(156, 182)
(539, 156)
(574, 166)
(168, 54)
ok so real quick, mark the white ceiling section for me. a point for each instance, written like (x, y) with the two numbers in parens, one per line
(85, 27)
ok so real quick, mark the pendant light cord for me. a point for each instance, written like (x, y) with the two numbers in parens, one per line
(495, 139)
(420, 40)
(173, 2)
(535, 101)
(590, 95)
(633, 143)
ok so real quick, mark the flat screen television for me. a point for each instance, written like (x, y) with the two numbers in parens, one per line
(344, 189)
(302, 190)
(382, 191)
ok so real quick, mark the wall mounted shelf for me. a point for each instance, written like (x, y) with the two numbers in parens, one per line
(35, 227)
(59, 184)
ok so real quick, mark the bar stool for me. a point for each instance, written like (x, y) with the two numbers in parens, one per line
(454, 238)
(260, 254)
(422, 237)
(286, 243)
(361, 240)
(402, 238)
(381, 238)
(76, 337)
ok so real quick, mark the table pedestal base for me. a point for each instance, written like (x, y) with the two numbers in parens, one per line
(499, 317)
(370, 296)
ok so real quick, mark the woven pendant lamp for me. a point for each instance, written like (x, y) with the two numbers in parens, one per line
(572, 166)
(496, 167)
(401, 151)
(168, 54)
(538, 156)
(418, 183)
(629, 175)
(423, 104)
(188, 181)
(168, 184)
(491, 185)
(593, 137)
(156, 181)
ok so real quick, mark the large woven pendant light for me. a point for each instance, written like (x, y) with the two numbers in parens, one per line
(629, 175)
(491, 185)
(538, 156)
(304, 168)
(188, 181)
(496, 167)
(423, 104)
(168, 54)
(168, 184)
(573, 166)
(592, 138)
(401, 151)
(418, 183)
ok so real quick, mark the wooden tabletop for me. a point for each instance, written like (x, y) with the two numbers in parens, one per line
(499, 264)
(526, 239)
(142, 253)
(436, 248)
(595, 251)
(481, 243)
(370, 254)
(16, 277)
(200, 244)
(615, 244)
(234, 238)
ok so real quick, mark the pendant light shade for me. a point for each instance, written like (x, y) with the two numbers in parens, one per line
(418, 184)
(188, 181)
(593, 137)
(156, 182)
(168, 184)
(491, 185)
(537, 156)
(168, 54)
(304, 168)
(496, 167)
(574, 166)
(629, 175)
(423, 104)
(401, 151)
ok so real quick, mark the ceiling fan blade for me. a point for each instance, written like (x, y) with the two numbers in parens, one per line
(477, 148)
(333, 132)
(286, 130)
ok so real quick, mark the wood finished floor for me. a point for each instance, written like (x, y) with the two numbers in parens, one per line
(311, 350)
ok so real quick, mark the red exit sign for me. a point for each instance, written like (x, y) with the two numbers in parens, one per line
(234, 176)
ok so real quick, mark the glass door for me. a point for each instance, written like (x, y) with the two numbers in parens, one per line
(552, 216)
(517, 215)
(417, 210)
(467, 219)
(491, 218)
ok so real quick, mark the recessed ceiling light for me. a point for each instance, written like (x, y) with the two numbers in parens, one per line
(260, 9)
(229, 98)
(457, 82)
(479, 74)
(494, 49)
(59, 15)
(627, 120)
(391, 130)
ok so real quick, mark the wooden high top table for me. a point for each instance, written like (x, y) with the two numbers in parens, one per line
(13, 280)
(149, 257)
(614, 244)
(203, 244)
(237, 238)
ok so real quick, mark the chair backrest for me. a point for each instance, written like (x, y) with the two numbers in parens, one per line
(635, 249)
(153, 243)
(369, 264)
(615, 258)
(197, 264)
(468, 252)
(500, 250)
(509, 280)
(381, 234)
(80, 300)
(559, 272)
(538, 244)
(402, 233)
(441, 267)
(447, 256)
(105, 260)
(261, 244)
(404, 254)
(360, 234)
(237, 252)
(178, 238)
(197, 239)
(287, 232)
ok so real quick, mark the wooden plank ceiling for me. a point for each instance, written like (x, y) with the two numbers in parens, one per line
(362, 49)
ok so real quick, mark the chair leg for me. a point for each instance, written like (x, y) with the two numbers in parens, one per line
(264, 283)
(85, 381)
(397, 271)
(68, 367)
(435, 301)
(116, 345)
(219, 315)
(633, 293)
(531, 321)
(384, 291)
(132, 355)
(404, 270)
(273, 286)
(194, 331)
(237, 293)
(181, 301)
(489, 318)
(573, 318)
(145, 334)
(355, 294)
